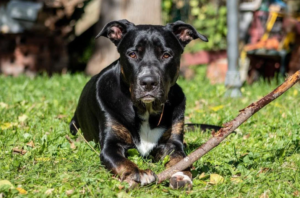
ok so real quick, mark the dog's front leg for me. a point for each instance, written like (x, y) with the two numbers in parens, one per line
(180, 179)
(113, 158)
(172, 145)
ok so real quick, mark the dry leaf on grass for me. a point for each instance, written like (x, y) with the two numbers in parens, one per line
(3, 105)
(7, 125)
(22, 118)
(22, 191)
(216, 179)
(69, 192)
(217, 108)
(6, 182)
(30, 144)
(245, 137)
(296, 193)
(49, 191)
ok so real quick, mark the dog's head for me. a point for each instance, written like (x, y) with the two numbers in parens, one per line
(150, 57)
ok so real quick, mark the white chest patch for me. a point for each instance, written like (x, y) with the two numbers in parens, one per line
(148, 137)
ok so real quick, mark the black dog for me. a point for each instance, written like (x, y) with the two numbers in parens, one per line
(135, 102)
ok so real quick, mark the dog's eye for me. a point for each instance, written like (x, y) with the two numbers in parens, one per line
(132, 55)
(166, 55)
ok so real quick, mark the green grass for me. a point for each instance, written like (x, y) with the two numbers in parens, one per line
(263, 153)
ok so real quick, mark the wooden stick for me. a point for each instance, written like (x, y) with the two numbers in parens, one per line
(85, 139)
(228, 128)
(69, 139)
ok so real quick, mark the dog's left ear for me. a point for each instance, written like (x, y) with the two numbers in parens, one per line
(116, 30)
(185, 32)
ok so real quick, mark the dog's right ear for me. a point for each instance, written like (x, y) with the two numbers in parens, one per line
(185, 32)
(116, 30)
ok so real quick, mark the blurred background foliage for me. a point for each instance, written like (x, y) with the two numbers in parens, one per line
(207, 16)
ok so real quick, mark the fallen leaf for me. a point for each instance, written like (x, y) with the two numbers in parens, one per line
(49, 191)
(22, 118)
(246, 136)
(30, 144)
(42, 159)
(6, 182)
(20, 151)
(120, 187)
(3, 105)
(296, 193)
(69, 192)
(216, 179)
(7, 125)
(21, 191)
(217, 108)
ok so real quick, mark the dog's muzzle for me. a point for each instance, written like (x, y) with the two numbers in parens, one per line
(148, 84)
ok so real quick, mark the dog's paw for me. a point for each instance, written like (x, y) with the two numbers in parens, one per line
(181, 180)
(143, 177)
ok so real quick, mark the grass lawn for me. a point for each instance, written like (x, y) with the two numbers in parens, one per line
(261, 159)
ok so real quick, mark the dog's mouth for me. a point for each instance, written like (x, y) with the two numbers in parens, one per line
(148, 99)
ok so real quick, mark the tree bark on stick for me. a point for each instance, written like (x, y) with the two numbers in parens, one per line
(228, 128)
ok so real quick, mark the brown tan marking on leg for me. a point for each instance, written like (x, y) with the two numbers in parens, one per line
(129, 172)
(121, 132)
(124, 169)
(177, 128)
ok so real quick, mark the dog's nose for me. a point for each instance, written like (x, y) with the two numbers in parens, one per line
(148, 83)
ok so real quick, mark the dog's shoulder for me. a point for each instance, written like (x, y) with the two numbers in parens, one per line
(102, 80)
(108, 75)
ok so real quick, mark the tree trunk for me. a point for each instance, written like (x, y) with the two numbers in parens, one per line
(135, 11)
